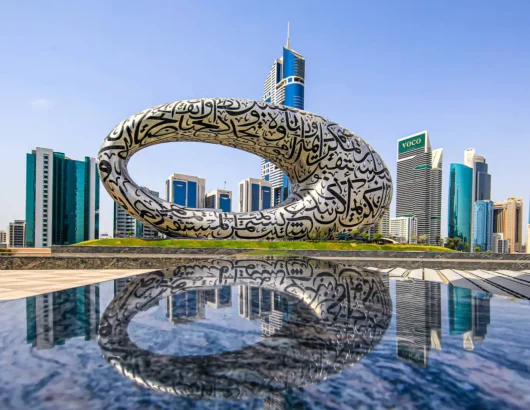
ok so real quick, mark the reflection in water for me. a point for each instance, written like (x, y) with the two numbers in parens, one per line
(53, 318)
(317, 318)
(419, 320)
(469, 315)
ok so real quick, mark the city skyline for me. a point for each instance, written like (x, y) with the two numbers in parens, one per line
(450, 100)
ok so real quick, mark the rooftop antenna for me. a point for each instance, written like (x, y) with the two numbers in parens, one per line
(288, 45)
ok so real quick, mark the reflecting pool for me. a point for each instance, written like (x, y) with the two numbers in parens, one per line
(275, 334)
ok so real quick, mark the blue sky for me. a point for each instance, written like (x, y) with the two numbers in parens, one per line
(70, 71)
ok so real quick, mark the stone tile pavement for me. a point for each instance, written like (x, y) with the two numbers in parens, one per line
(15, 284)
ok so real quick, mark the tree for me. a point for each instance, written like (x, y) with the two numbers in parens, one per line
(117, 234)
(466, 247)
(478, 249)
(366, 236)
(454, 243)
(378, 236)
(129, 233)
(423, 238)
(438, 240)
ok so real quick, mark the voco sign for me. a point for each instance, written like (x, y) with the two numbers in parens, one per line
(412, 143)
(408, 144)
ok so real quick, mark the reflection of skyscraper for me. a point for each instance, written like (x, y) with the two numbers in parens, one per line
(419, 323)
(280, 312)
(274, 402)
(254, 302)
(184, 307)
(54, 318)
(121, 284)
(218, 298)
(469, 315)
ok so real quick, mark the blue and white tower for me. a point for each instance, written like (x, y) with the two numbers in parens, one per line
(285, 86)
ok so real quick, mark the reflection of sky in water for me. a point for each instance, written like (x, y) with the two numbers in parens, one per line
(222, 330)
(73, 375)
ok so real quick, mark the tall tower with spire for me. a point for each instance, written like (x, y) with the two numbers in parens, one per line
(284, 86)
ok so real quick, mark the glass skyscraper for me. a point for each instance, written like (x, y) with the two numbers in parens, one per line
(460, 205)
(284, 86)
(483, 225)
(62, 199)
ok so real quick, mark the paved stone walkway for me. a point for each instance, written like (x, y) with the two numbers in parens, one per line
(15, 284)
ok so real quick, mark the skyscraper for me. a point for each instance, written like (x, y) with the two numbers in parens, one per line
(254, 195)
(186, 190)
(419, 184)
(284, 85)
(483, 225)
(508, 220)
(219, 199)
(460, 205)
(127, 226)
(62, 199)
(16, 235)
(481, 178)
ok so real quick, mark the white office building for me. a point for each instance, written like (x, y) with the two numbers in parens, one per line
(254, 195)
(186, 190)
(404, 229)
(219, 199)
(3, 237)
(500, 245)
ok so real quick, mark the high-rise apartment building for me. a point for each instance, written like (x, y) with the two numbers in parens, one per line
(62, 199)
(126, 226)
(3, 237)
(16, 234)
(483, 225)
(404, 229)
(508, 220)
(220, 199)
(254, 195)
(186, 190)
(419, 184)
(460, 203)
(284, 86)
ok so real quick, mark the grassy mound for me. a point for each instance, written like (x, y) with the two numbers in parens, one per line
(305, 245)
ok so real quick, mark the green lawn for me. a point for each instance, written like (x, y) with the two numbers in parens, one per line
(324, 245)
